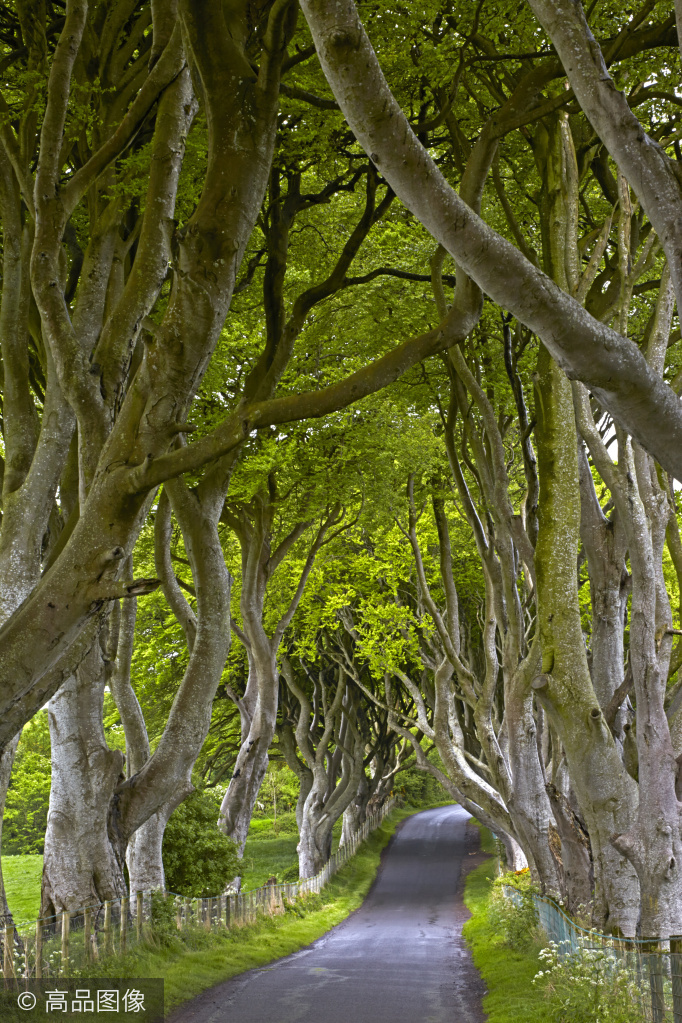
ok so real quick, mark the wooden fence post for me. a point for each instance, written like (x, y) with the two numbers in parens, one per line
(124, 925)
(107, 928)
(138, 922)
(87, 932)
(208, 909)
(228, 911)
(66, 920)
(39, 950)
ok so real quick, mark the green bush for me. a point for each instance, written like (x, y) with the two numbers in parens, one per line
(199, 860)
(290, 875)
(164, 925)
(514, 913)
(418, 788)
(587, 985)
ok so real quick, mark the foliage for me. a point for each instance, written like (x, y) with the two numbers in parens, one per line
(585, 984)
(513, 911)
(198, 859)
(277, 796)
(526, 981)
(420, 789)
(25, 817)
(163, 917)
(507, 972)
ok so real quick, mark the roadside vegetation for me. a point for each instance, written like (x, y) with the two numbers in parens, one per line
(524, 978)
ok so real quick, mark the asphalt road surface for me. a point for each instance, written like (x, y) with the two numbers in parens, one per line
(400, 958)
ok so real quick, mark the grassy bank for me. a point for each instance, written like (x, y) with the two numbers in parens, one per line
(507, 972)
(586, 986)
(22, 876)
(198, 960)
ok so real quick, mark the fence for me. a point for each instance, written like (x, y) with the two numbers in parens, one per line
(654, 966)
(70, 944)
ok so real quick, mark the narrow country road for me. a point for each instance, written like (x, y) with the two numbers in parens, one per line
(400, 958)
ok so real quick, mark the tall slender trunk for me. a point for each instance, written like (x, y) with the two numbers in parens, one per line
(252, 760)
(144, 857)
(606, 794)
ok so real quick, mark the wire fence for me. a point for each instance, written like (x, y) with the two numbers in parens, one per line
(653, 966)
(71, 944)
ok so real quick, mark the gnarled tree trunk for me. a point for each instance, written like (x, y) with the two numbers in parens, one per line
(84, 855)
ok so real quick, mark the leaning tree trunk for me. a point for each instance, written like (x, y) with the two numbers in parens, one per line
(355, 814)
(252, 761)
(528, 802)
(654, 841)
(326, 802)
(83, 862)
(315, 836)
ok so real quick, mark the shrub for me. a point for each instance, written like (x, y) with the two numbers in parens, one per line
(587, 984)
(164, 924)
(198, 859)
(513, 913)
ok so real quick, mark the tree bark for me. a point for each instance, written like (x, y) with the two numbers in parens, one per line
(83, 858)
(606, 793)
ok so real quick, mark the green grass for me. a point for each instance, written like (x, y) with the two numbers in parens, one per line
(199, 960)
(268, 856)
(265, 854)
(507, 972)
(22, 876)
(269, 852)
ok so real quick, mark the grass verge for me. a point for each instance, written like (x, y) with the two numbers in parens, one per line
(198, 960)
(22, 876)
(507, 972)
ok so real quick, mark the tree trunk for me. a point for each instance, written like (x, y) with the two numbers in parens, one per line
(573, 854)
(315, 836)
(515, 858)
(654, 841)
(528, 803)
(144, 854)
(252, 761)
(355, 814)
(83, 860)
(606, 548)
(606, 794)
